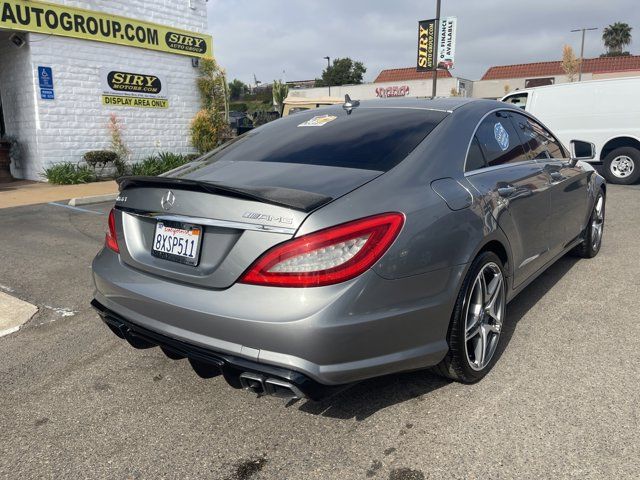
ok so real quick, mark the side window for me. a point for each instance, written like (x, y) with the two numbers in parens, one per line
(499, 140)
(519, 100)
(538, 140)
(475, 157)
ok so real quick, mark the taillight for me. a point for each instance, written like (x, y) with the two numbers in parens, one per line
(329, 256)
(110, 239)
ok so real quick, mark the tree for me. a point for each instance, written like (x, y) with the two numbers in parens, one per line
(237, 89)
(211, 124)
(615, 37)
(570, 64)
(344, 71)
(280, 92)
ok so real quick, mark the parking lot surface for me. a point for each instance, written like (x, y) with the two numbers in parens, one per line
(77, 402)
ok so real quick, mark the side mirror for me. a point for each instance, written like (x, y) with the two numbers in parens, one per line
(581, 150)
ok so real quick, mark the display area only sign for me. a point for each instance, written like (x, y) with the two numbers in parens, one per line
(127, 87)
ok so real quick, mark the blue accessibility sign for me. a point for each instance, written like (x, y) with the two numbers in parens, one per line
(45, 77)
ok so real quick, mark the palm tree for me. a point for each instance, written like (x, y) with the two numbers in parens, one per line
(616, 37)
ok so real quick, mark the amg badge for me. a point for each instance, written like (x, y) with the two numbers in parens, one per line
(268, 218)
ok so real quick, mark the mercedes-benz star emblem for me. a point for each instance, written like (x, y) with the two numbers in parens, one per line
(168, 199)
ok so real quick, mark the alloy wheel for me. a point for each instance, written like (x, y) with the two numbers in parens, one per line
(484, 316)
(622, 166)
(597, 222)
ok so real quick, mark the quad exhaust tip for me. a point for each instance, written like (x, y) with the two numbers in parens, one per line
(261, 385)
(255, 382)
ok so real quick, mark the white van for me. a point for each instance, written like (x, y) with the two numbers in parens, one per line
(603, 112)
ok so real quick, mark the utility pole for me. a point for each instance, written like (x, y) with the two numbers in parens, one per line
(435, 49)
(583, 30)
(328, 66)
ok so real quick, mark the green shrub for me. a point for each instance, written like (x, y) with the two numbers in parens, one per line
(68, 173)
(156, 164)
(96, 158)
(238, 107)
(206, 129)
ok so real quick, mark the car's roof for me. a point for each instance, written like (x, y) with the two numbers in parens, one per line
(446, 104)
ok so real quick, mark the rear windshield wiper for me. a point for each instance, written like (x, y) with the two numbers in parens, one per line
(286, 197)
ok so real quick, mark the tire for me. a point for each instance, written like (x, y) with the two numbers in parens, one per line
(592, 236)
(622, 166)
(462, 363)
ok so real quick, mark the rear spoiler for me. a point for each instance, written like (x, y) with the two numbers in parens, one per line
(286, 197)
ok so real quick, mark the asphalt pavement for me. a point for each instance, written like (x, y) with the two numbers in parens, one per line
(77, 402)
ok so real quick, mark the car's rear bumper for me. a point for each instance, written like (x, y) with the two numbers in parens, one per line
(331, 335)
(208, 363)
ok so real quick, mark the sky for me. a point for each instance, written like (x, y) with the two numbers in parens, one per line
(274, 39)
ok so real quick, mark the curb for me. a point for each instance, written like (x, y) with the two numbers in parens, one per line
(74, 202)
(14, 313)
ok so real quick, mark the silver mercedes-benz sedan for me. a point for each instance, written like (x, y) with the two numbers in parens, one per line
(347, 242)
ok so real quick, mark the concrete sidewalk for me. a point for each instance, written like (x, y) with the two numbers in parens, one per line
(25, 192)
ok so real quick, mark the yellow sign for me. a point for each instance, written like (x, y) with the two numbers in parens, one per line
(47, 18)
(141, 102)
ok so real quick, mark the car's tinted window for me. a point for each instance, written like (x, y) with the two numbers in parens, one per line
(475, 158)
(499, 140)
(368, 138)
(540, 142)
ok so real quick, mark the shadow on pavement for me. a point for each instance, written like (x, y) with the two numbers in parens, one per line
(368, 397)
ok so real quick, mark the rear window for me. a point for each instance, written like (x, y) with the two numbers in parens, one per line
(368, 138)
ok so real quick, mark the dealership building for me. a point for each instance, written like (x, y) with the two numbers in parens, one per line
(395, 82)
(67, 67)
(496, 82)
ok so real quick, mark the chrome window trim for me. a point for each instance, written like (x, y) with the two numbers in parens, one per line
(477, 171)
(212, 222)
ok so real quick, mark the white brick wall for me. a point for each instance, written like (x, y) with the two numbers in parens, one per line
(63, 129)
(18, 101)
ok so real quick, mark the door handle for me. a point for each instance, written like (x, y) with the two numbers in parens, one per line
(506, 191)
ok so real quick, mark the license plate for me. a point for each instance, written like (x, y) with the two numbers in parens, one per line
(178, 242)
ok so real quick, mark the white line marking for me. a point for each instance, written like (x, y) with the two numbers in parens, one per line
(84, 210)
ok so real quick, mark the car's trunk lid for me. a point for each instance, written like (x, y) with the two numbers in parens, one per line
(243, 210)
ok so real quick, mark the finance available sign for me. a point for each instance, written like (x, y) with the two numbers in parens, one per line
(128, 88)
(440, 53)
(447, 42)
(54, 19)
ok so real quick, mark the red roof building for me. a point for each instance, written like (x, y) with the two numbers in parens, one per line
(549, 69)
(403, 74)
(500, 80)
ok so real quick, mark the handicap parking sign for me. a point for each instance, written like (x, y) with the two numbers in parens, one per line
(45, 79)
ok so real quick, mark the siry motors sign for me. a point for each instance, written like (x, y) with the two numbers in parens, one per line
(395, 91)
(126, 88)
(66, 21)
